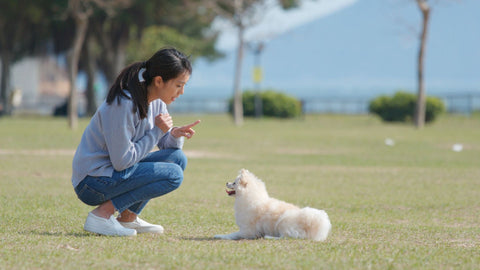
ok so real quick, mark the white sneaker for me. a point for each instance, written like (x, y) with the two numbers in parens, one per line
(105, 226)
(141, 226)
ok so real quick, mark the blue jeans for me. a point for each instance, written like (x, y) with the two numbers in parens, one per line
(157, 174)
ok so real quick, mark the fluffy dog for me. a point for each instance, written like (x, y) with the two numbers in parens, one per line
(257, 215)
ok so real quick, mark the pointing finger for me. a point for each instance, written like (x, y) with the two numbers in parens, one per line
(193, 124)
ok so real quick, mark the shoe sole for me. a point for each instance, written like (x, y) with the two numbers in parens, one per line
(92, 230)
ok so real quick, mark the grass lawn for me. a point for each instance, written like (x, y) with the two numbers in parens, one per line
(414, 205)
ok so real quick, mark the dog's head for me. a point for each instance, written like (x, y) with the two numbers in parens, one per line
(244, 181)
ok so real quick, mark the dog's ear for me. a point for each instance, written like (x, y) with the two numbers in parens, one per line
(243, 178)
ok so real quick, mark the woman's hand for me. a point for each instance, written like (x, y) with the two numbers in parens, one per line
(164, 122)
(185, 131)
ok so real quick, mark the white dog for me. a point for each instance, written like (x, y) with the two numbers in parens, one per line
(258, 215)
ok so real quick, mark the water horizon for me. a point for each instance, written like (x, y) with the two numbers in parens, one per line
(327, 92)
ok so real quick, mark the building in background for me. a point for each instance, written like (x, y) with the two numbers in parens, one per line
(43, 84)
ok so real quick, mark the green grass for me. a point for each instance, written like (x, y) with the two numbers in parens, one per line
(411, 206)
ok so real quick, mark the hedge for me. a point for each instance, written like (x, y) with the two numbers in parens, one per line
(274, 104)
(401, 107)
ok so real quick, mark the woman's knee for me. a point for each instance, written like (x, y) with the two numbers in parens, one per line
(89, 195)
(176, 177)
(180, 158)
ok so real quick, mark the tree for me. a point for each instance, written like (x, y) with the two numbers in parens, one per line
(242, 14)
(155, 37)
(110, 28)
(420, 108)
(90, 66)
(180, 23)
(103, 28)
(81, 11)
(104, 47)
(23, 31)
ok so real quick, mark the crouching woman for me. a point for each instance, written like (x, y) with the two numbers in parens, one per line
(114, 167)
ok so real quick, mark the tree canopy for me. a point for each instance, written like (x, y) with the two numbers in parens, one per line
(103, 30)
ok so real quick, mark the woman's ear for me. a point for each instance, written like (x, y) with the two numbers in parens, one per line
(158, 81)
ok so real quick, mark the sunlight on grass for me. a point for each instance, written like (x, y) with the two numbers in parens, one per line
(413, 205)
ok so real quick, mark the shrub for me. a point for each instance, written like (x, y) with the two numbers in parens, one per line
(435, 107)
(274, 104)
(401, 107)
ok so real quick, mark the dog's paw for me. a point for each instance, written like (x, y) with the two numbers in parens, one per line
(268, 237)
(220, 236)
(232, 236)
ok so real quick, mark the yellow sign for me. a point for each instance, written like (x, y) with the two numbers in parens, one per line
(257, 74)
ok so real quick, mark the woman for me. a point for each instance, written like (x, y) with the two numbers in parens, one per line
(113, 167)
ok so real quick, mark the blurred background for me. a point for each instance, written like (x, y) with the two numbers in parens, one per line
(333, 55)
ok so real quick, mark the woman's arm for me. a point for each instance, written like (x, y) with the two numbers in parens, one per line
(175, 137)
(119, 126)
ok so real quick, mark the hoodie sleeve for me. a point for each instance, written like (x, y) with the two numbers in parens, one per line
(167, 140)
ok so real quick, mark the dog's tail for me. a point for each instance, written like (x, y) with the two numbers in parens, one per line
(318, 223)
(307, 222)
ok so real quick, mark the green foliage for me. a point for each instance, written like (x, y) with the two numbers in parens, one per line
(25, 26)
(157, 37)
(288, 4)
(154, 38)
(401, 107)
(274, 104)
(435, 107)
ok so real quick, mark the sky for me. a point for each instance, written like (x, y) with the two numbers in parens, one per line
(271, 20)
(353, 48)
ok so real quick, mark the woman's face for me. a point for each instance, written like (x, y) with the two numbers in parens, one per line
(170, 90)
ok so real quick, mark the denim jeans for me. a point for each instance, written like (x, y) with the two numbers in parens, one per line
(157, 174)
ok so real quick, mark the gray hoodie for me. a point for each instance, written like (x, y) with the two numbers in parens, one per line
(116, 139)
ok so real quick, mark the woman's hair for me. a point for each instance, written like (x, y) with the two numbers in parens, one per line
(168, 63)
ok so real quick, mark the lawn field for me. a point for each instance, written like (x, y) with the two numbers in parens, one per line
(413, 205)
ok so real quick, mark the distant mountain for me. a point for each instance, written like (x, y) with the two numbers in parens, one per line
(367, 48)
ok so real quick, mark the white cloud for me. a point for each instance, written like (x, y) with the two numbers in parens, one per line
(276, 21)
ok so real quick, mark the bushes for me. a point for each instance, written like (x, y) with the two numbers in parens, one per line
(274, 104)
(401, 107)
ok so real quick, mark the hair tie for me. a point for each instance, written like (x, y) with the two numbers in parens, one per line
(140, 74)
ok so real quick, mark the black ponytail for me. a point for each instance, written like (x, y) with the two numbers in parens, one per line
(128, 80)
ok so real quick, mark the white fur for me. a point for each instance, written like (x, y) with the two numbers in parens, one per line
(258, 215)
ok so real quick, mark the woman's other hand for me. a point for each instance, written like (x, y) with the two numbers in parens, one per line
(185, 131)
(164, 122)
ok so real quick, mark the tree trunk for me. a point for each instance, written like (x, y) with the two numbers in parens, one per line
(109, 59)
(81, 25)
(114, 59)
(5, 83)
(120, 56)
(91, 71)
(237, 100)
(420, 107)
(257, 78)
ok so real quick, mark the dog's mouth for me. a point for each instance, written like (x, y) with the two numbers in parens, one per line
(230, 192)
